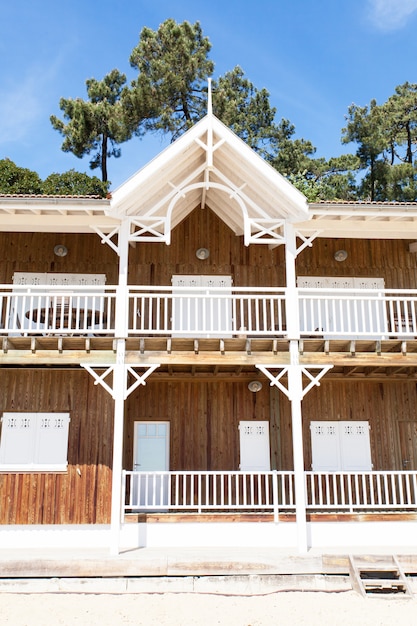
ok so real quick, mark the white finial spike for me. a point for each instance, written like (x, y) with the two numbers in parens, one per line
(209, 102)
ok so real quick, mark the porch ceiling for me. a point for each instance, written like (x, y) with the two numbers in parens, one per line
(362, 220)
(72, 214)
(209, 166)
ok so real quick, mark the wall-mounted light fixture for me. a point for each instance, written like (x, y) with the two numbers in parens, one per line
(340, 255)
(255, 385)
(202, 254)
(60, 250)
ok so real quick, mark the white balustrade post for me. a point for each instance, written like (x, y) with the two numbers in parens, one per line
(295, 388)
(291, 301)
(119, 388)
(295, 385)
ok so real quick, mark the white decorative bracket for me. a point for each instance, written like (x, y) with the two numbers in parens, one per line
(307, 240)
(151, 229)
(284, 369)
(99, 379)
(266, 231)
(108, 238)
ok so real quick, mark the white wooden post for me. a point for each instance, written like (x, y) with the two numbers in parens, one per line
(119, 387)
(295, 385)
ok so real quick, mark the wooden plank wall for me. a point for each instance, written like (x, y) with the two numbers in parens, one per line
(204, 419)
(81, 495)
(34, 252)
(386, 405)
(255, 265)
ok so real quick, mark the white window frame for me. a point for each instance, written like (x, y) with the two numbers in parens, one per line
(34, 442)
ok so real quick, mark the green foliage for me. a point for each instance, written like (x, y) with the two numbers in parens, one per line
(328, 180)
(98, 125)
(75, 184)
(19, 180)
(245, 109)
(386, 136)
(173, 68)
(14, 179)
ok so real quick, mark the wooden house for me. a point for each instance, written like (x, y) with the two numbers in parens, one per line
(206, 359)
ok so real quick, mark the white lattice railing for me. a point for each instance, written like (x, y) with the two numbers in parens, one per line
(201, 491)
(353, 491)
(272, 491)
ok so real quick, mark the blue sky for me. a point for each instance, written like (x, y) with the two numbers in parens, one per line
(314, 58)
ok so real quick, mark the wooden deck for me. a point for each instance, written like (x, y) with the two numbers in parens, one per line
(391, 358)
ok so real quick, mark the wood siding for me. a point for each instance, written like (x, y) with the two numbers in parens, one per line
(82, 494)
(204, 415)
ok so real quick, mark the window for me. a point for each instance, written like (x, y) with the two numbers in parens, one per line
(194, 314)
(347, 312)
(26, 308)
(34, 442)
(340, 446)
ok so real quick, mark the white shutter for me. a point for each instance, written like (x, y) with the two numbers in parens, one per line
(22, 305)
(254, 446)
(194, 316)
(18, 434)
(340, 446)
(355, 446)
(52, 440)
(34, 441)
(325, 448)
(332, 316)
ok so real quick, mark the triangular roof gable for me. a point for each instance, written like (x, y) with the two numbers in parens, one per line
(209, 166)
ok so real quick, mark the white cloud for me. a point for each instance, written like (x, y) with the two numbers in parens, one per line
(389, 15)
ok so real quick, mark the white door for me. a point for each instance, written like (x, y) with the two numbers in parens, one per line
(194, 315)
(254, 446)
(151, 460)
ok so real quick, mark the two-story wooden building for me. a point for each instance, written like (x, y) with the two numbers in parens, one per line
(205, 359)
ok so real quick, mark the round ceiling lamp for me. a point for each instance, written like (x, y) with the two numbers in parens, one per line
(254, 386)
(60, 250)
(202, 254)
(340, 255)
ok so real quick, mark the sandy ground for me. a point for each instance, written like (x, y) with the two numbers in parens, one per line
(283, 608)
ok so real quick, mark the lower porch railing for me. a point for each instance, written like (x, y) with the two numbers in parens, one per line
(201, 491)
(273, 491)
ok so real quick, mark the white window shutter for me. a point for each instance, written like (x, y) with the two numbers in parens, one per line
(254, 446)
(340, 446)
(18, 434)
(34, 441)
(355, 446)
(325, 448)
(52, 440)
(199, 317)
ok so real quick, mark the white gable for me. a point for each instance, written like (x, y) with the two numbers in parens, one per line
(209, 166)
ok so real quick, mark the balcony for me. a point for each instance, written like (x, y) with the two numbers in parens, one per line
(142, 311)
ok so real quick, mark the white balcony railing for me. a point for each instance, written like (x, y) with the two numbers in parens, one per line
(362, 314)
(361, 491)
(208, 312)
(56, 310)
(271, 492)
(200, 491)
